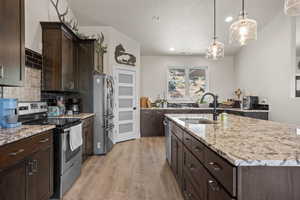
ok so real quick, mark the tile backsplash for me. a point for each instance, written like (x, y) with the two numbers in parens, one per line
(32, 87)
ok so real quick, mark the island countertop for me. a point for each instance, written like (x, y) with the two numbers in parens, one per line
(11, 135)
(245, 141)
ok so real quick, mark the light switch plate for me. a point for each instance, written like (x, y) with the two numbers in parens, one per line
(298, 131)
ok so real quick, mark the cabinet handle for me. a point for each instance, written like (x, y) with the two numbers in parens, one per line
(198, 149)
(35, 166)
(215, 166)
(192, 167)
(30, 171)
(213, 185)
(17, 152)
(1, 71)
(44, 140)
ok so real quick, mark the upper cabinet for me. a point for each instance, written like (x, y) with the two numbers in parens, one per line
(60, 57)
(12, 40)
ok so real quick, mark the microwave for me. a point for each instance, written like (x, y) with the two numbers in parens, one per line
(250, 102)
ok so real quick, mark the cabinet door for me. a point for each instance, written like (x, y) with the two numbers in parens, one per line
(84, 141)
(68, 62)
(89, 138)
(12, 51)
(40, 173)
(179, 163)
(174, 161)
(13, 183)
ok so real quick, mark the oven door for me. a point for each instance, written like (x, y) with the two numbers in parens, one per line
(68, 157)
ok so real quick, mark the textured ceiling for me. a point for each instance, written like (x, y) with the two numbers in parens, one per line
(185, 25)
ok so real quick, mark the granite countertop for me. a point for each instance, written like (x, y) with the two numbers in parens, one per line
(246, 141)
(11, 135)
(81, 116)
(195, 108)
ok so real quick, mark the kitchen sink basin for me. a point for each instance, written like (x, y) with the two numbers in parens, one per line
(197, 121)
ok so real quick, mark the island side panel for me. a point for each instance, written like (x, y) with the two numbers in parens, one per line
(268, 183)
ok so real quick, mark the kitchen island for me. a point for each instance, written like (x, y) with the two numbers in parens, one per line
(236, 158)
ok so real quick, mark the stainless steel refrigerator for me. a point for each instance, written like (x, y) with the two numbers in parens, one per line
(103, 100)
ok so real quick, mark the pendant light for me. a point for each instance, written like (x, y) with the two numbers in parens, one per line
(244, 29)
(215, 50)
(292, 7)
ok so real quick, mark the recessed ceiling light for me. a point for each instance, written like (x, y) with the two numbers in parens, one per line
(172, 49)
(229, 19)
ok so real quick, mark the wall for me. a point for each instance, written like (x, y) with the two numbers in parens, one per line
(113, 38)
(35, 12)
(154, 74)
(266, 68)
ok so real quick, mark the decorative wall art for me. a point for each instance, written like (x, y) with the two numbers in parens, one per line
(124, 58)
(72, 23)
(100, 49)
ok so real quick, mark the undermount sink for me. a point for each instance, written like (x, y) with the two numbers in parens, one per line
(197, 121)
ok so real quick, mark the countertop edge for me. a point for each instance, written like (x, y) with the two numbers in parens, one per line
(22, 133)
(237, 162)
(220, 109)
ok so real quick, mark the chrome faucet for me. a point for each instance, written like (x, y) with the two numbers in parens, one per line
(215, 97)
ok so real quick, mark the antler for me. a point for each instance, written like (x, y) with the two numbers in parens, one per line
(60, 16)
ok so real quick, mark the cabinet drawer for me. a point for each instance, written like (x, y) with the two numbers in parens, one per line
(194, 169)
(215, 190)
(195, 146)
(223, 171)
(177, 131)
(17, 151)
(189, 191)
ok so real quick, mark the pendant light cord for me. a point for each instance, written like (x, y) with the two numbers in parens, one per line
(243, 8)
(215, 27)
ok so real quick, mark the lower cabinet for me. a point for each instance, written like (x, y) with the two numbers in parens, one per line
(88, 138)
(12, 180)
(29, 174)
(197, 182)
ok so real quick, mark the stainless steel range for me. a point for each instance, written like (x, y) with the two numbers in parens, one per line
(67, 162)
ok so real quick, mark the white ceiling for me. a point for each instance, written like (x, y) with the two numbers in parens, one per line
(185, 25)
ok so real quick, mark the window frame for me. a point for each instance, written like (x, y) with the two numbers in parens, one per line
(187, 98)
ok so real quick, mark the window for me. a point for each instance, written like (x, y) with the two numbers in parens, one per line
(187, 83)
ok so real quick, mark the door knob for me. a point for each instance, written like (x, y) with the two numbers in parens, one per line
(134, 108)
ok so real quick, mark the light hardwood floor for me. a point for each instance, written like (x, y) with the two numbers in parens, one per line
(133, 170)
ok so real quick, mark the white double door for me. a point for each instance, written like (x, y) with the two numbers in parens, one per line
(126, 105)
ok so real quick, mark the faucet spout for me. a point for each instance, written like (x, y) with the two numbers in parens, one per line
(215, 103)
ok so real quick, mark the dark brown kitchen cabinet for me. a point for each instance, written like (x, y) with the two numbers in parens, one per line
(177, 158)
(88, 138)
(13, 182)
(39, 179)
(26, 168)
(12, 40)
(60, 57)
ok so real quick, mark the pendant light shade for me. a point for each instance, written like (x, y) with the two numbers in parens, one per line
(215, 50)
(292, 7)
(244, 29)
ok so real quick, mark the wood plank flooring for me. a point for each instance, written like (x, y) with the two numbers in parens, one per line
(133, 170)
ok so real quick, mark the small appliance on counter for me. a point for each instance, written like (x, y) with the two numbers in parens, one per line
(73, 105)
(9, 113)
(54, 111)
(250, 102)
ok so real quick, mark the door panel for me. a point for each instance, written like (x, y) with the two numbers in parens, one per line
(125, 105)
(13, 183)
(40, 180)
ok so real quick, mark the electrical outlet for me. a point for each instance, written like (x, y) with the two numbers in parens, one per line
(98, 145)
(298, 131)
